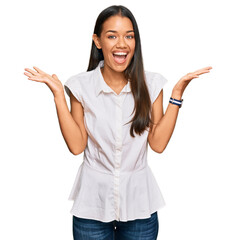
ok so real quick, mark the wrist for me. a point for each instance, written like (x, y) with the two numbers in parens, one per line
(176, 102)
(176, 98)
(59, 97)
(176, 95)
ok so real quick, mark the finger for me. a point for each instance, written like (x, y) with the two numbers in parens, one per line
(199, 72)
(31, 71)
(204, 69)
(36, 79)
(203, 72)
(207, 68)
(28, 74)
(38, 70)
(54, 76)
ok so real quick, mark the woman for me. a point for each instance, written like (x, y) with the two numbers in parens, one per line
(116, 111)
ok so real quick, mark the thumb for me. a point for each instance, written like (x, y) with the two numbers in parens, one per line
(55, 76)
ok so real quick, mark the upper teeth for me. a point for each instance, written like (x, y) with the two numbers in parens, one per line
(120, 53)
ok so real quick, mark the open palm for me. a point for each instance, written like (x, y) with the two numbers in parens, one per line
(185, 80)
(52, 82)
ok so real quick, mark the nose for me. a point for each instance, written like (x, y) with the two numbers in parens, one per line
(121, 43)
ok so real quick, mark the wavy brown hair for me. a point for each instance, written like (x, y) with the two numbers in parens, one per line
(134, 72)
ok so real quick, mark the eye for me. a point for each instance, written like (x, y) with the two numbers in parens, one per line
(111, 37)
(130, 36)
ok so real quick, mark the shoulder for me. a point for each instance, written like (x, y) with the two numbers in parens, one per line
(79, 84)
(79, 78)
(154, 78)
(79, 81)
(155, 82)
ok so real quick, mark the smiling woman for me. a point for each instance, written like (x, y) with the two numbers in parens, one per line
(117, 43)
(116, 111)
(116, 40)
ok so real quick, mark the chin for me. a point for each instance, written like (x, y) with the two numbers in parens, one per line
(121, 67)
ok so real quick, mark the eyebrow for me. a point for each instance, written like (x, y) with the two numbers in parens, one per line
(116, 31)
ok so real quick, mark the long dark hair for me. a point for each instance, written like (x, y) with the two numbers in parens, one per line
(134, 72)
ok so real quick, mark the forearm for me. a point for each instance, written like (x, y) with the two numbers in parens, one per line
(164, 129)
(162, 132)
(70, 130)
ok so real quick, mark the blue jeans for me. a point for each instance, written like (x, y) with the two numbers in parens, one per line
(139, 229)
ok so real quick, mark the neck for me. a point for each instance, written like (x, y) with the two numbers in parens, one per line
(112, 77)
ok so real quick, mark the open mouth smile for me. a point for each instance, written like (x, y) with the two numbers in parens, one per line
(120, 57)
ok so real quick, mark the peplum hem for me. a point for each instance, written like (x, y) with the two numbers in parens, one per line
(139, 195)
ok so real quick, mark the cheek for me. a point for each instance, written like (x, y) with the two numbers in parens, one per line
(132, 46)
(107, 46)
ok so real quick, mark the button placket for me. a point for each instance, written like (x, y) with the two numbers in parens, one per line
(118, 153)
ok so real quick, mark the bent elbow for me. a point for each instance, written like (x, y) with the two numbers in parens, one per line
(76, 151)
(161, 149)
(77, 148)
(158, 149)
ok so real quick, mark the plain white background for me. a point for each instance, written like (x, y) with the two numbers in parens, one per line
(196, 173)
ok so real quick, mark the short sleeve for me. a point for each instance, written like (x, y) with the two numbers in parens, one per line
(155, 82)
(73, 85)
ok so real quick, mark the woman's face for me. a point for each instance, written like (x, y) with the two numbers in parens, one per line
(117, 42)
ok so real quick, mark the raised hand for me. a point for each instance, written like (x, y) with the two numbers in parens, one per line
(180, 86)
(52, 82)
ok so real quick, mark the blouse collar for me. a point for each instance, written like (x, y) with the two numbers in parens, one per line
(101, 85)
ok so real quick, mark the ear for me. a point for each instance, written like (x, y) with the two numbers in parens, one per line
(97, 41)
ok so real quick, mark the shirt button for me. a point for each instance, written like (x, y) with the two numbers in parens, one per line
(118, 148)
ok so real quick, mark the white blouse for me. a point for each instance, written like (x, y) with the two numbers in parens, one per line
(114, 181)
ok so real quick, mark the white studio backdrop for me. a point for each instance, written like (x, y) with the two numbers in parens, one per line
(196, 172)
